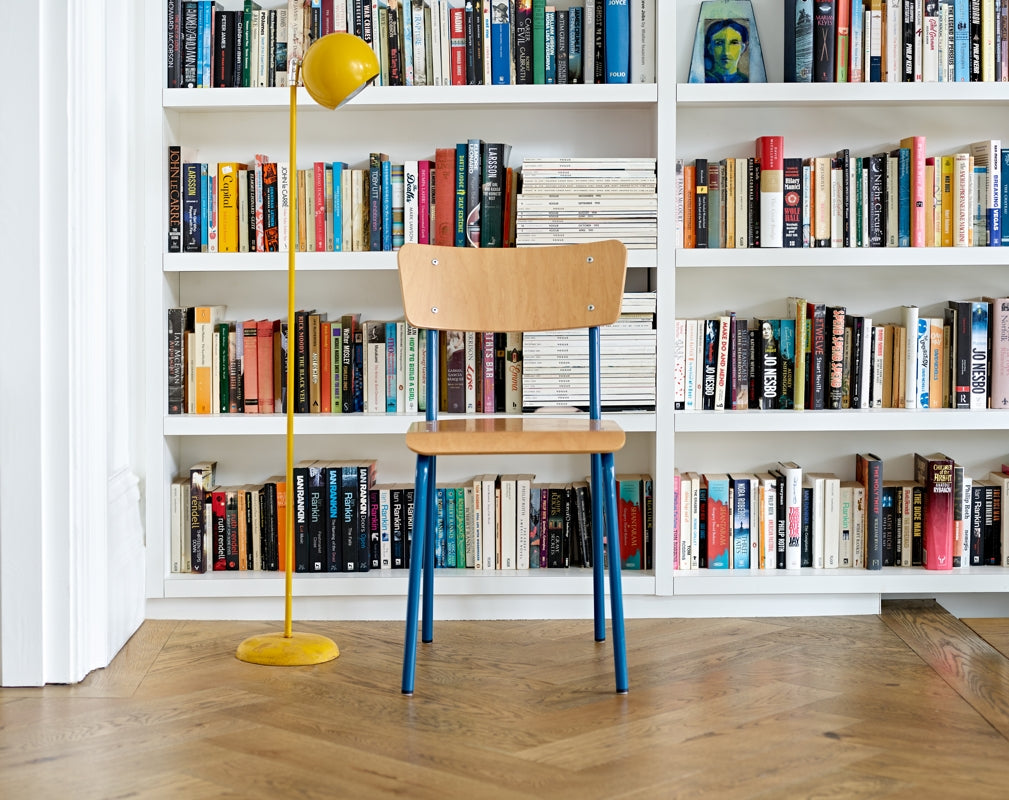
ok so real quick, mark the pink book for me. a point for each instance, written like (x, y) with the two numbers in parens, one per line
(250, 367)
(998, 324)
(260, 229)
(916, 144)
(264, 358)
(424, 169)
(487, 360)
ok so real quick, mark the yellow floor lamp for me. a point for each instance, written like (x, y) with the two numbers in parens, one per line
(335, 68)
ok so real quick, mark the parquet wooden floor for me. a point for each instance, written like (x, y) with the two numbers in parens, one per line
(909, 704)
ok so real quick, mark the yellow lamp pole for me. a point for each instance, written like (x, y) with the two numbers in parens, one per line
(334, 69)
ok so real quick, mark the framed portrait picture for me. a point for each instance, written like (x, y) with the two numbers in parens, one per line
(726, 44)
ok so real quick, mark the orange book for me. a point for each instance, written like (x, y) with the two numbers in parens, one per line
(689, 181)
(264, 358)
(206, 320)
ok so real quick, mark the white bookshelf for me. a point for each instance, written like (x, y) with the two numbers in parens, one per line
(407, 123)
(668, 119)
(715, 122)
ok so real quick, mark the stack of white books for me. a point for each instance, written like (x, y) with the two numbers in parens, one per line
(568, 200)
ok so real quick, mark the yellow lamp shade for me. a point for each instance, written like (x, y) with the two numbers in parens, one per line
(336, 67)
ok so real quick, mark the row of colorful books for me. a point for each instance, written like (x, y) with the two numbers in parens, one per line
(896, 40)
(464, 197)
(821, 356)
(564, 200)
(894, 198)
(346, 521)
(346, 365)
(416, 42)
(788, 518)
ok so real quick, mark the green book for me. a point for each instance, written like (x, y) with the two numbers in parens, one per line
(539, 41)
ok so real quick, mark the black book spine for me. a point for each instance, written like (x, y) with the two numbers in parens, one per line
(888, 523)
(562, 46)
(835, 385)
(348, 520)
(789, 43)
(599, 44)
(473, 78)
(844, 156)
(298, 499)
(823, 40)
(174, 199)
(190, 41)
(334, 531)
(806, 528)
(907, 42)
(238, 52)
(792, 198)
(818, 358)
(317, 518)
(701, 203)
(877, 200)
(523, 43)
(975, 40)
(363, 518)
(977, 524)
(174, 50)
(397, 515)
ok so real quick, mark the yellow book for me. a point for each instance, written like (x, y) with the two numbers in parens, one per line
(206, 319)
(946, 190)
(227, 212)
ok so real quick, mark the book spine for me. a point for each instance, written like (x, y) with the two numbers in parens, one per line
(824, 41)
(617, 31)
(770, 151)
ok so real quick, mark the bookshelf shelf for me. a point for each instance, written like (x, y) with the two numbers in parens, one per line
(806, 95)
(333, 424)
(879, 419)
(318, 262)
(842, 257)
(889, 580)
(393, 583)
(398, 98)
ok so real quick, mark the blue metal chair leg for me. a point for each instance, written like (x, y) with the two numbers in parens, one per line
(427, 613)
(616, 592)
(417, 554)
(598, 586)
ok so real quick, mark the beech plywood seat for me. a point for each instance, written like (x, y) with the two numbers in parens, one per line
(514, 289)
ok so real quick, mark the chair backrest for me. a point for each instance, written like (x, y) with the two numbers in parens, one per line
(512, 289)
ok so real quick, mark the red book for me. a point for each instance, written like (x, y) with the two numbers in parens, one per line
(444, 193)
(424, 201)
(916, 144)
(264, 360)
(250, 366)
(935, 473)
(770, 153)
(457, 43)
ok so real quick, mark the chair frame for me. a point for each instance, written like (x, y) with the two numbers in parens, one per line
(429, 311)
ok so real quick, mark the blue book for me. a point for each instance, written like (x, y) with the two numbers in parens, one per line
(391, 374)
(201, 36)
(338, 168)
(550, 46)
(406, 39)
(740, 522)
(961, 40)
(386, 205)
(719, 523)
(500, 45)
(1004, 185)
(617, 55)
(574, 45)
(191, 185)
(798, 45)
(857, 32)
(904, 194)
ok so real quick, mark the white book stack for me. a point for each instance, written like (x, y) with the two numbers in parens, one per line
(555, 371)
(567, 200)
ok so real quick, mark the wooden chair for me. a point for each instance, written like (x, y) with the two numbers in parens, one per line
(514, 289)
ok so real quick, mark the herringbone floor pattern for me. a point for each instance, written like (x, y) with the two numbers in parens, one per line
(910, 704)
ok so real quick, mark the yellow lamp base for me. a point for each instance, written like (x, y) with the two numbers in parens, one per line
(296, 650)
